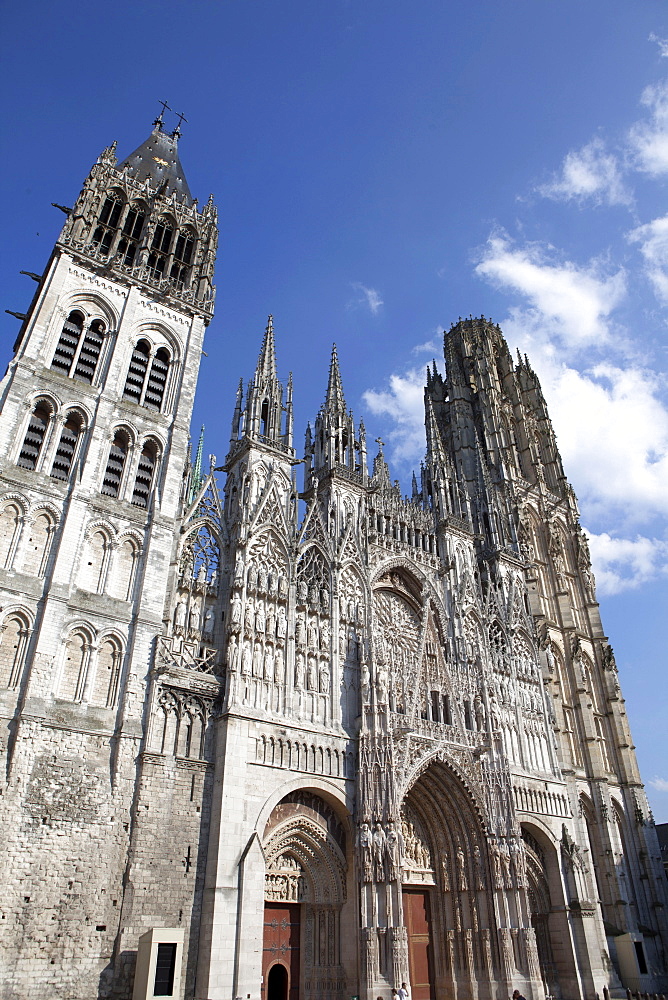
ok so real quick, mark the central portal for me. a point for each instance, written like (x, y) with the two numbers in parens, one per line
(417, 918)
(280, 951)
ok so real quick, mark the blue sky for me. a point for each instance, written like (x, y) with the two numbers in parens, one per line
(382, 168)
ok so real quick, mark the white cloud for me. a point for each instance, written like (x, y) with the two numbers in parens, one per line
(626, 563)
(403, 402)
(589, 173)
(648, 140)
(653, 239)
(659, 784)
(662, 43)
(369, 297)
(575, 302)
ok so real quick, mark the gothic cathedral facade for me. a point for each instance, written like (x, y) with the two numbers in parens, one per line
(289, 740)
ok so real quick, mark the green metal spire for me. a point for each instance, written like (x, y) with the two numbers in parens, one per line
(196, 478)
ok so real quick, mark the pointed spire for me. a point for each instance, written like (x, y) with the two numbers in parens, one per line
(196, 480)
(334, 399)
(266, 364)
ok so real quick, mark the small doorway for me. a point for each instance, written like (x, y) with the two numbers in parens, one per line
(277, 983)
(281, 952)
(417, 918)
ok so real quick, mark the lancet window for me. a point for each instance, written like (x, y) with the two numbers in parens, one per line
(160, 247)
(118, 453)
(35, 435)
(108, 222)
(132, 229)
(183, 255)
(67, 446)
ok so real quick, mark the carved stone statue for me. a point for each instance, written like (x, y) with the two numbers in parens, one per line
(394, 847)
(324, 679)
(232, 653)
(281, 623)
(180, 615)
(366, 848)
(311, 675)
(382, 682)
(194, 617)
(299, 671)
(378, 852)
(279, 667)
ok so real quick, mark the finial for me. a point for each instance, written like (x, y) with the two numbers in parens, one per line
(334, 398)
(159, 120)
(177, 131)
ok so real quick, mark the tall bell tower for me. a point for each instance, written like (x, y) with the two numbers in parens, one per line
(94, 423)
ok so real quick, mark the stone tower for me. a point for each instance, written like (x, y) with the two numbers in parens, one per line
(294, 745)
(96, 406)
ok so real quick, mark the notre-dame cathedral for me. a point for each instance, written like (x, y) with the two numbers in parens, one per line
(287, 734)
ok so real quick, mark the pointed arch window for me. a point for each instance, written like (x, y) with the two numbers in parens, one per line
(107, 225)
(118, 453)
(35, 435)
(145, 471)
(160, 247)
(67, 446)
(183, 255)
(130, 234)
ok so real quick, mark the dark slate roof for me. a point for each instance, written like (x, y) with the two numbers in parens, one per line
(158, 159)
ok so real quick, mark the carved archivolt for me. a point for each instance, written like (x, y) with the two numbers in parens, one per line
(303, 858)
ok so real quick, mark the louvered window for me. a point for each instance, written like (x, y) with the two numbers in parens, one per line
(111, 484)
(160, 245)
(68, 343)
(89, 355)
(127, 247)
(34, 439)
(183, 253)
(134, 382)
(144, 478)
(108, 223)
(157, 380)
(62, 463)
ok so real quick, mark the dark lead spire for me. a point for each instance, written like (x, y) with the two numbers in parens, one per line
(157, 160)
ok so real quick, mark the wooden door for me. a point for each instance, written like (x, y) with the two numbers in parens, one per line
(281, 945)
(417, 918)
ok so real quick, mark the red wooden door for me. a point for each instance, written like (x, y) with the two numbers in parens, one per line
(417, 918)
(281, 944)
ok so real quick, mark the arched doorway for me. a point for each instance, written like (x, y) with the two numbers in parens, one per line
(304, 845)
(447, 906)
(277, 982)
(540, 904)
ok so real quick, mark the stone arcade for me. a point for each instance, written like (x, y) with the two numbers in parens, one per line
(260, 748)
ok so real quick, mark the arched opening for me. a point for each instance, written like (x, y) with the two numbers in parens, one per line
(160, 247)
(108, 221)
(113, 475)
(35, 435)
(540, 905)
(132, 228)
(304, 845)
(67, 446)
(277, 982)
(448, 911)
(134, 381)
(145, 471)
